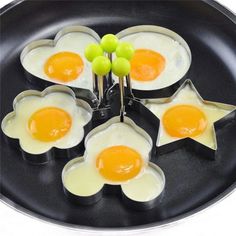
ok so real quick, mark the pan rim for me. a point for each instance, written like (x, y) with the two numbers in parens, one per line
(130, 229)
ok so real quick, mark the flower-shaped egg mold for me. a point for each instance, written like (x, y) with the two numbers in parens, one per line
(60, 61)
(47, 119)
(186, 117)
(116, 155)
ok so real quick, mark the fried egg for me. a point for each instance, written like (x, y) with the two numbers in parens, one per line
(187, 116)
(116, 155)
(146, 187)
(158, 62)
(64, 63)
(82, 179)
(41, 123)
(119, 152)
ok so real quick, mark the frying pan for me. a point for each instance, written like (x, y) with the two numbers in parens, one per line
(192, 182)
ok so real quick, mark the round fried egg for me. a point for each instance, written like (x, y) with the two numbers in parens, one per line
(158, 62)
(63, 63)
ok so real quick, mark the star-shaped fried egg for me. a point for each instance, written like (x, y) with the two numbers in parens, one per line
(187, 115)
(42, 120)
(116, 153)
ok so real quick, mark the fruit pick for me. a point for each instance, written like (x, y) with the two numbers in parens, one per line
(101, 66)
(121, 68)
(126, 50)
(92, 51)
(109, 43)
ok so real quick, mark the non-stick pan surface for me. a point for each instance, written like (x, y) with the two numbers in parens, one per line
(192, 182)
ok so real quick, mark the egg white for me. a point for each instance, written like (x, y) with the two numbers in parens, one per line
(144, 188)
(84, 179)
(75, 42)
(188, 96)
(176, 56)
(17, 126)
(115, 135)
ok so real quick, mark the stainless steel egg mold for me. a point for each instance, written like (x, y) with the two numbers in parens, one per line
(189, 143)
(56, 153)
(110, 188)
(53, 152)
(170, 89)
(35, 82)
(131, 102)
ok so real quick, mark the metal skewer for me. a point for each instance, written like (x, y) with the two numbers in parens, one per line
(122, 106)
(95, 85)
(121, 68)
(100, 90)
(129, 85)
(109, 80)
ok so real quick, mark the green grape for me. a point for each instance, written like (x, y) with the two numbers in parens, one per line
(92, 51)
(109, 43)
(121, 67)
(125, 50)
(101, 65)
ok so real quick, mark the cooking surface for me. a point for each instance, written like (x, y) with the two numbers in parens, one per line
(192, 180)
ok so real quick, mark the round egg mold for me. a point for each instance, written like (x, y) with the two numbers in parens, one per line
(114, 188)
(36, 82)
(53, 152)
(169, 89)
(190, 143)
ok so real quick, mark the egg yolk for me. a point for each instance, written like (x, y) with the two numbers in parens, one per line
(146, 65)
(64, 66)
(119, 163)
(49, 124)
(184, 121)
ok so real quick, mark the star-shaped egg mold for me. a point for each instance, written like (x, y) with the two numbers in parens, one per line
(117, 155)
(186, 118)
(60, 60)
(47, 124)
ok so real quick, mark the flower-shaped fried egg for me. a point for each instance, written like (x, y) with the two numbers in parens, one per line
(42, 120)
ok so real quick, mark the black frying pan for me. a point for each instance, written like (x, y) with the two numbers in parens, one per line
(193, 183)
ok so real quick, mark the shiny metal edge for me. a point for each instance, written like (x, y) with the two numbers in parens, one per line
(124, 230)
(156, 29)
(103, 127)
(159, 30)
(189, 83)
(223, 9)
(52, 42)
(45, 92)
